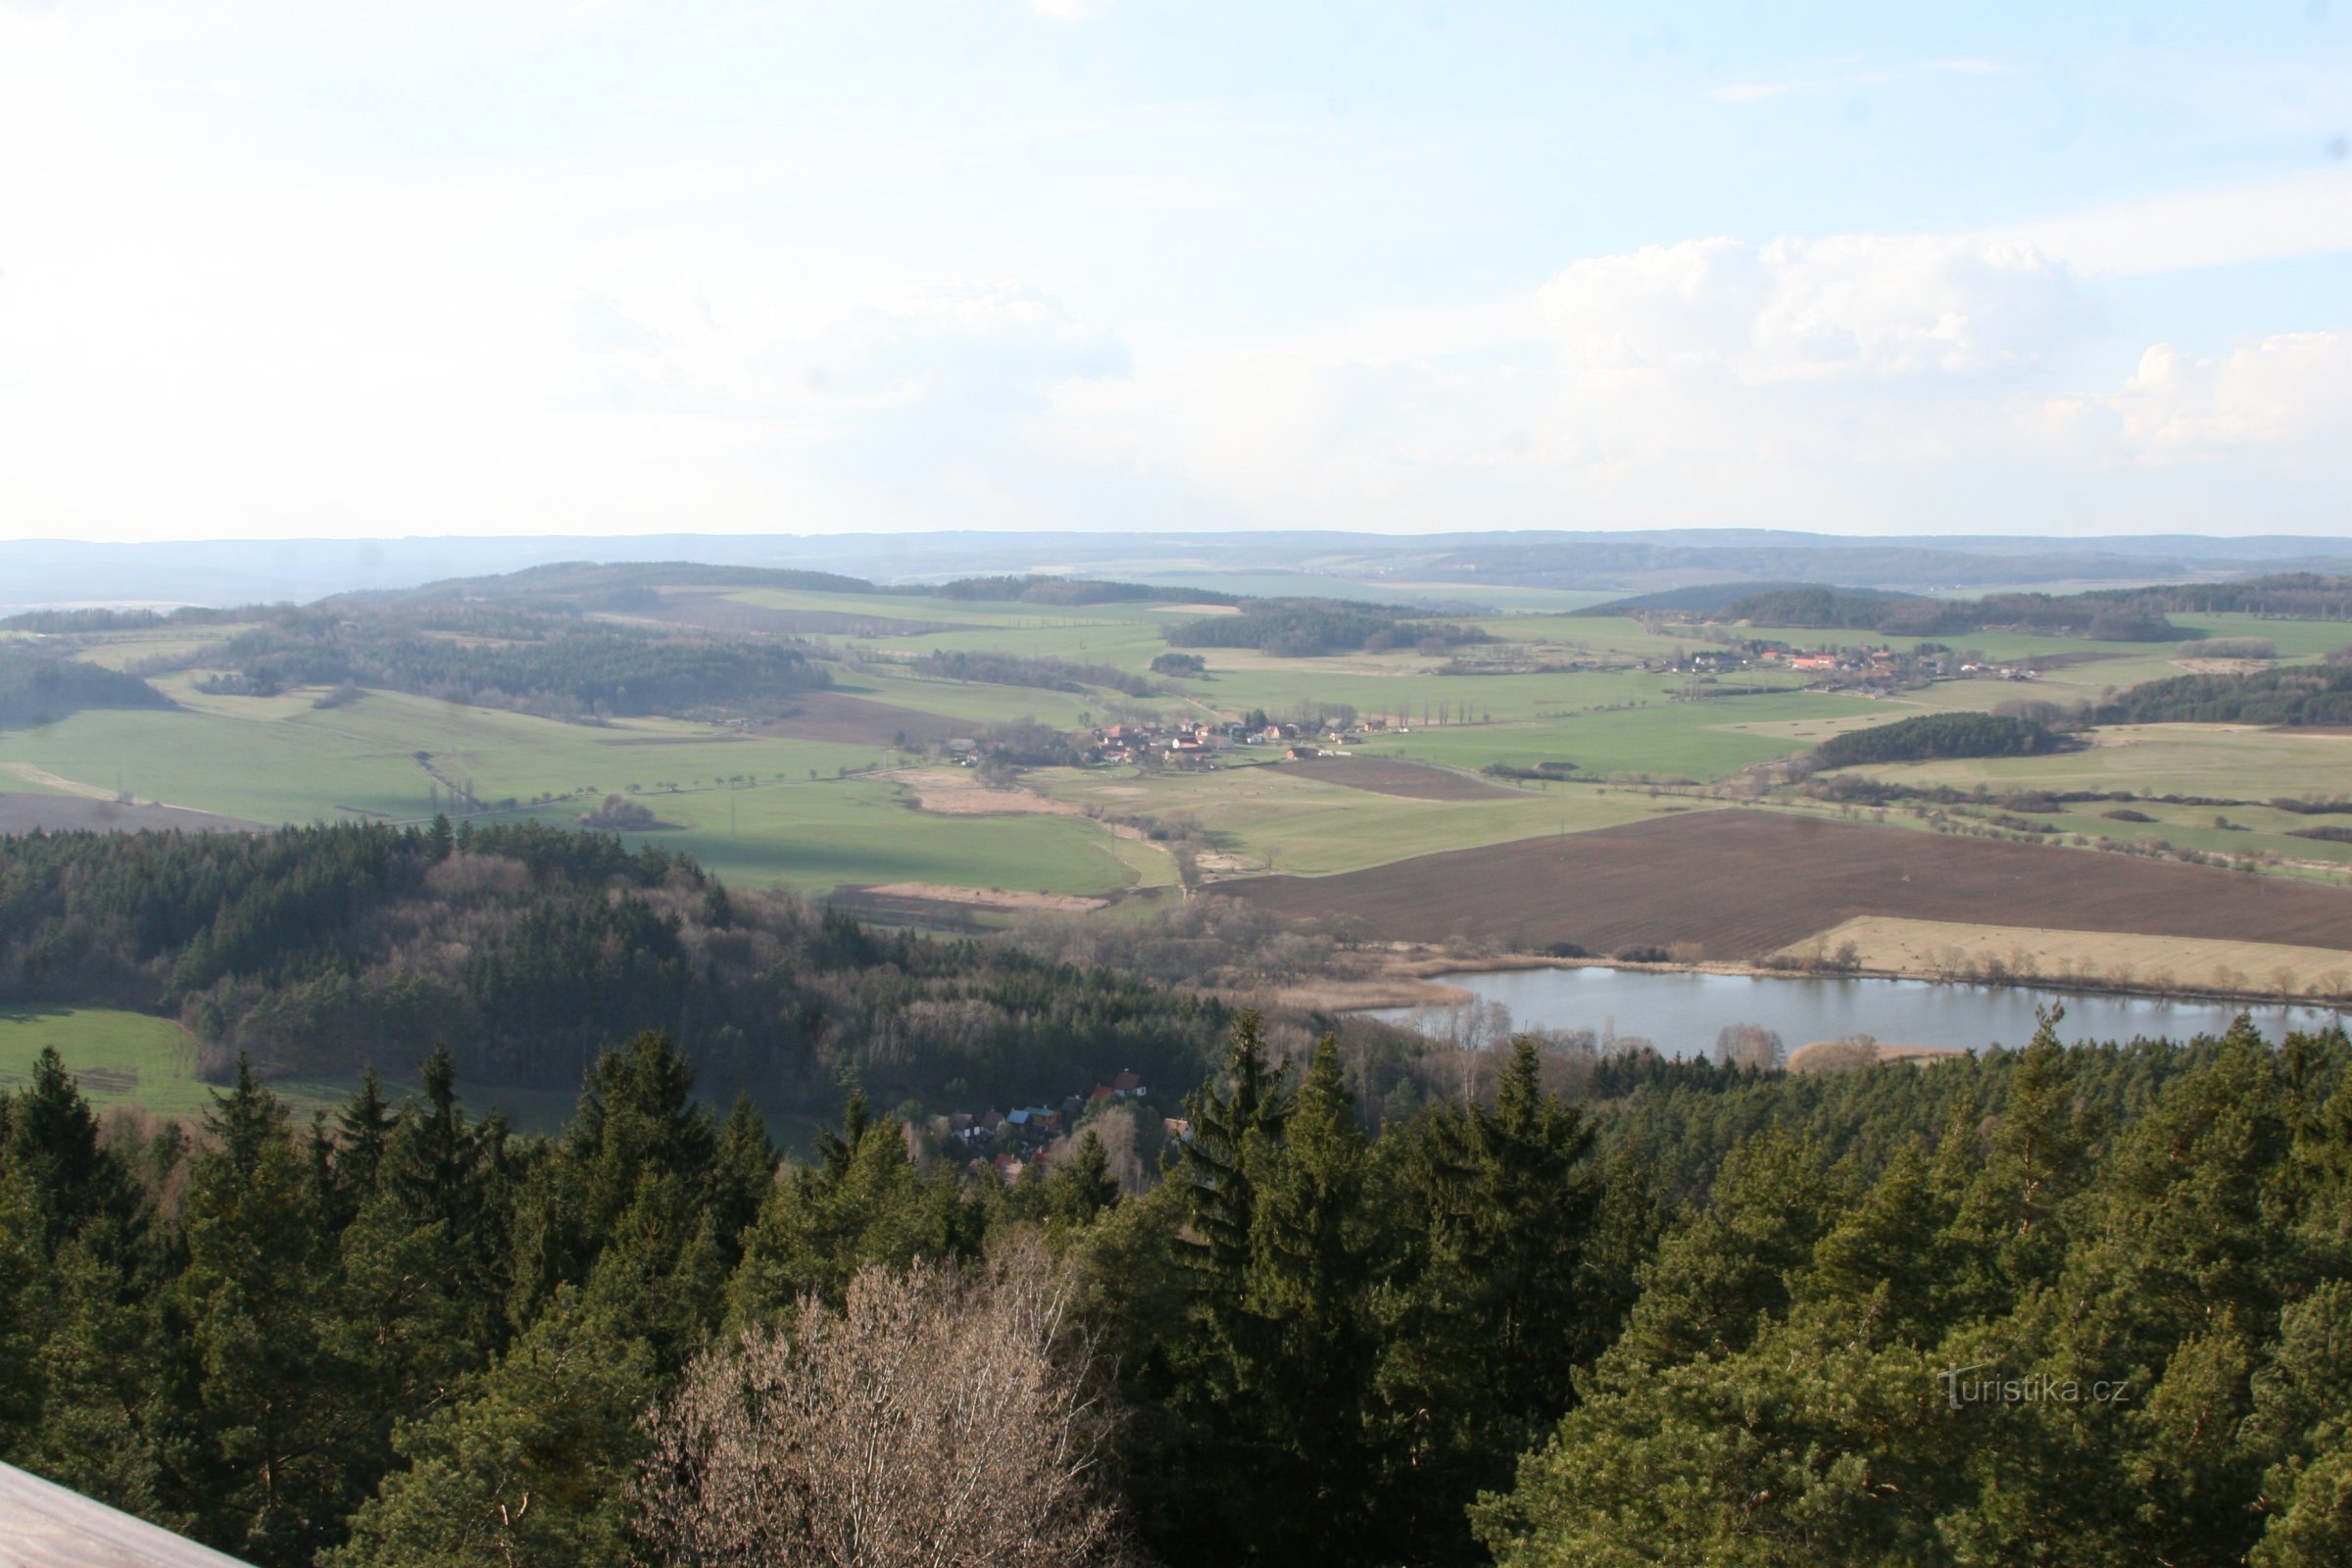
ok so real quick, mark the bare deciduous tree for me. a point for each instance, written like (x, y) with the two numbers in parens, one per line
(948, 1418)
(1749, 1045)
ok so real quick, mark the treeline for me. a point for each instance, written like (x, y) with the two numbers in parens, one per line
(1721, 1316)
(1039, 589)
(1930, 736)
(2102, 616)
(2299, 694)
(65, 623)
(1305, 628)
(39, 686)
(2291, 596)
(567, 670)
(1011, 670)
(317, 949)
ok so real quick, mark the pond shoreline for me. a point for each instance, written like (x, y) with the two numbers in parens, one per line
(1410, 977)
(1681, 1010)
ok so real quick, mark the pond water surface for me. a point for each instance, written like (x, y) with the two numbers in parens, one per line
(1681, 1013)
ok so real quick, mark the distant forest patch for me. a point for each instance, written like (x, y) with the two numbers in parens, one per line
(1039, 589)
(1010, 669)
(554, 668)
(39, 687)
(2300, 695)
(1304, 629)
(1934, 736)
(71, 622)
(2107, 614)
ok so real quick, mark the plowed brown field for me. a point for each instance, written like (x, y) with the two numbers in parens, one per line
(1744, 883)
(859, 721)
(1385, 776)
(71, 813)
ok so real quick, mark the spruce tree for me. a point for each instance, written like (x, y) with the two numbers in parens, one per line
(1082, 1186)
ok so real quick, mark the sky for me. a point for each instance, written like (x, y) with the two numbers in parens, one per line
(305, 268)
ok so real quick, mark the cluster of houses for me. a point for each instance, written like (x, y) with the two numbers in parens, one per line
(1197, 741)
(1844, 667)
(1180, 741)
(1031, 1129)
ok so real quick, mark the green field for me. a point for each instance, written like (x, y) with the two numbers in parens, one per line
(148, 1063)
(813, 815)
(2223, 761)
(1270, 817)
(121, 1058)
(1662, 738)
(815, 836)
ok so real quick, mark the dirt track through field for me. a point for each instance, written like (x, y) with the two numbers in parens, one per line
(1744, 883)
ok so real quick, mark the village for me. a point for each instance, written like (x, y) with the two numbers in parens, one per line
(1013, 1143)
(1844, 668)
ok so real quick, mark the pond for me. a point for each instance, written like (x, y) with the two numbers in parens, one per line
(1681, 1013)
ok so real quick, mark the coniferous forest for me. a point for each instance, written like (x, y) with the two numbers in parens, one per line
(331, 949)
(1701, 1316)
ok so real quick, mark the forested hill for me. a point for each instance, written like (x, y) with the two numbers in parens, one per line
(592, 584)
(328, 949)
(554, 668)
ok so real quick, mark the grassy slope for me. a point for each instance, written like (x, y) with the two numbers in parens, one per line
(129, 1058)
(123, 1058)
(1698, 740)
(815, 836)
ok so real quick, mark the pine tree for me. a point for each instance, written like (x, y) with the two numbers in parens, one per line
(1233, 1124)
(1308, 1289)
(742, 1172)
(52, 1145)
(264, 1482)
(1082, 1186)
(363, 1129)
(861, 1201)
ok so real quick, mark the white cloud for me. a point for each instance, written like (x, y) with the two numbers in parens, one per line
(1069, 10)
(1883, 307)
(2290, 393)
(1861, 381)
